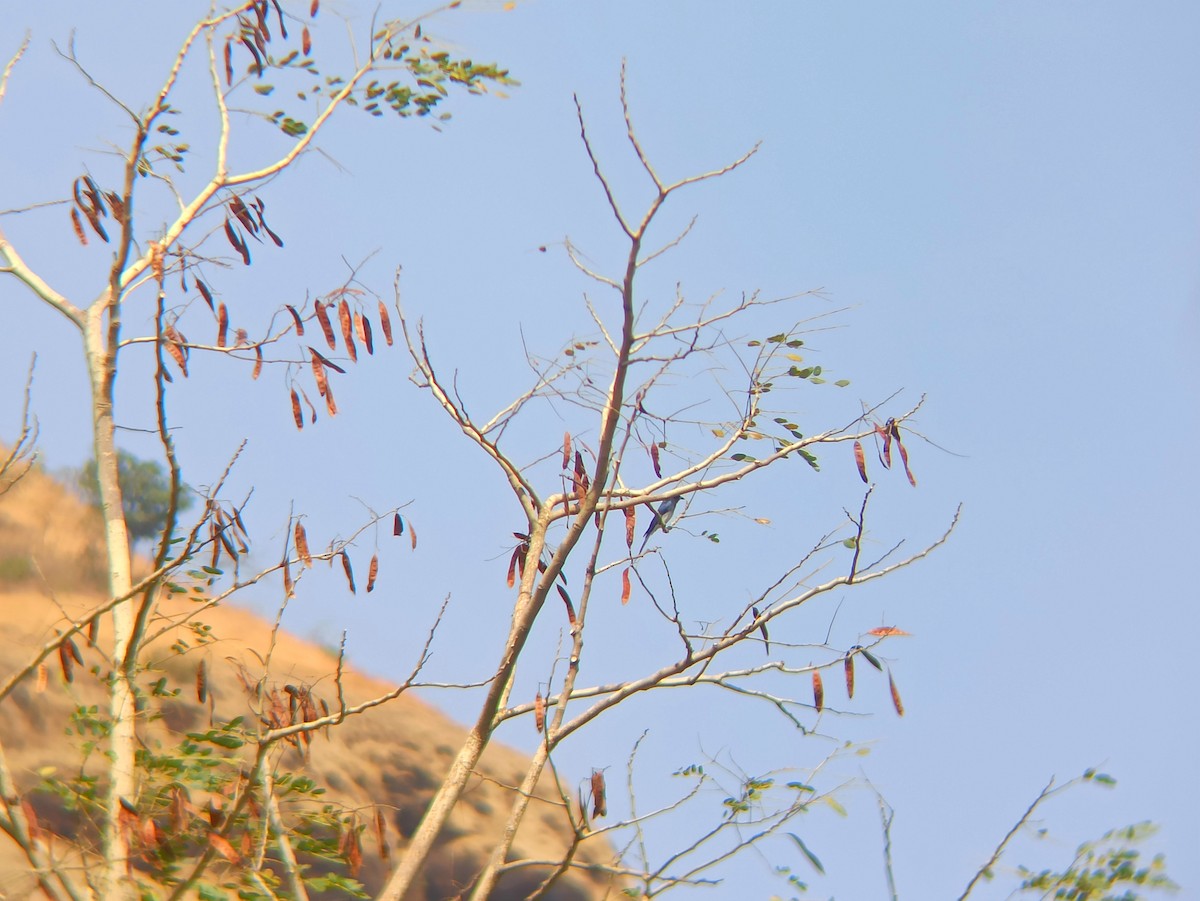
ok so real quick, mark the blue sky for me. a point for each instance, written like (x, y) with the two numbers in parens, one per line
(1001, 203)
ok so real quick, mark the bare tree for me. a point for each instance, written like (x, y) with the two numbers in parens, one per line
(700, 370)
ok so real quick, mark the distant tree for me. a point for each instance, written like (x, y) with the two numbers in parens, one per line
(146, 494)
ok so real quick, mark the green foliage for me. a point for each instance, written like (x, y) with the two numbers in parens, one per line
(1105, 870)
(145, 491)
(199, 794)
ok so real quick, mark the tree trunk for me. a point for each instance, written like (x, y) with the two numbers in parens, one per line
(99, 343)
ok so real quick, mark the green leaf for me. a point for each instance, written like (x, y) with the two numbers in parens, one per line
(842, 383)
(836, 807)
(264, 89)
(804, 849)
(851, 543)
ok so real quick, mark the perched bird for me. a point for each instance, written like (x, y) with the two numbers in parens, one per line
(661, 519)
(762, 627)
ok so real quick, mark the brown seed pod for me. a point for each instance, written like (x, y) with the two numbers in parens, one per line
(174, 342)
(222, 847)
(896, 702)
(385, 851)
(818, 691)
(206, 294)
(599, 800)
(385, 323)
(566, 450)
(367, 336)
(630, 526)
(539, 712)
(347, 323)
(655, 462)
(67, 664)
(222, 324)
(77, 224)
(349, 572)
(372, 572)
(302, 544)
(202, 682)
(848, 665)
(258, 362)
(562, 592)
(513, 562)
(296, 318)
(912, 480)
(326, 325)
(860, 459)
(297, 414)
(626, 586)
(318, 370)
(330, 403)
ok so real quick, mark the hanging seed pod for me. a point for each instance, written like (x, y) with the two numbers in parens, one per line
(385, 323)
(326, 325)
(848, 665)
(567, 601)
(896, 702)
(818, 691)
(599, 799)
(296, 319)
(372, 572)
(297, 414)
(860, 459)
(385, 851)
(77, 224)
(626, 586)
(347, 323)
(66, 663)
(302, 544)
(539, 712)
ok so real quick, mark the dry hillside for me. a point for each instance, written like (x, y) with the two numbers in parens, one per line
(394, 756)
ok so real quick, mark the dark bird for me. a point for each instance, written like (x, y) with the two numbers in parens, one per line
(762, 627)
(661, 519)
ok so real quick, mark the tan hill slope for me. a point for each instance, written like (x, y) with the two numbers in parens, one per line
(392, 758)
